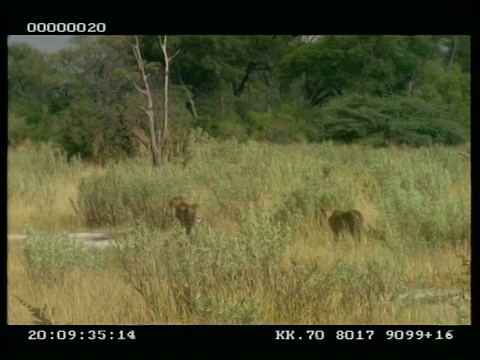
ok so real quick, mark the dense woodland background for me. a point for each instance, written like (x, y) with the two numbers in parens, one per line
(412, 90)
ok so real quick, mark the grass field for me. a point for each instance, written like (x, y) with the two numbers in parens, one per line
(260, 256)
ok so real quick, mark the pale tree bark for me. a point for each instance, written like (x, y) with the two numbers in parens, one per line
(155, 147)
(190, 103)
(163, 46)
(453, 53)
(157, 132)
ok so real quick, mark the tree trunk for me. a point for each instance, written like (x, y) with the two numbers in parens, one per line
(164, 132)
(190, 103)
(157, 137)
(155, 146)
(453, 54)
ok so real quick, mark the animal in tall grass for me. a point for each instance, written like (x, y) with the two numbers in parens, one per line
(342, 222)
(189, 215)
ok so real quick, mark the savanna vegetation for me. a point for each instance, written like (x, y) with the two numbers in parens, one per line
(263, 132)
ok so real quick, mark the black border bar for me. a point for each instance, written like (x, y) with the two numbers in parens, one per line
(241, 340)
(180, 18)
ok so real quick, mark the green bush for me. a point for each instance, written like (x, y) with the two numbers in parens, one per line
(125, 197)
(404, 120)
(48, 257)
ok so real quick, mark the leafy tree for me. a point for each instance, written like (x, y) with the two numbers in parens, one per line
(102, 113)
(398, 119)
(408, 89)
(218, 70)
(378, 65)
(34, 89)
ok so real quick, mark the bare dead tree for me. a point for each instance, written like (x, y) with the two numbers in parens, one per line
(157, 133)
(155, 136)
(163, 46)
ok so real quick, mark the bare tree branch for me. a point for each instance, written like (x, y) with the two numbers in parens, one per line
(148, 110)
(157, 136)
(142, 91)
(163, 46)
(172, 57)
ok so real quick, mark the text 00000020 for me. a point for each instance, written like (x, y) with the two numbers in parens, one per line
(66, 27)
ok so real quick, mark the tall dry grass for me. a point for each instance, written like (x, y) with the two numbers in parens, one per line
(261, 255)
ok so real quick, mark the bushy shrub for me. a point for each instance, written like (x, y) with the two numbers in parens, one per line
(404, 120)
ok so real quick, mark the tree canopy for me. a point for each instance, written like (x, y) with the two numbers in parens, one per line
(405, 89)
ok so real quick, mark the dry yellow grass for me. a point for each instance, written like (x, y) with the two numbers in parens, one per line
(105, 297)
(314, 281)
(61, 216)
